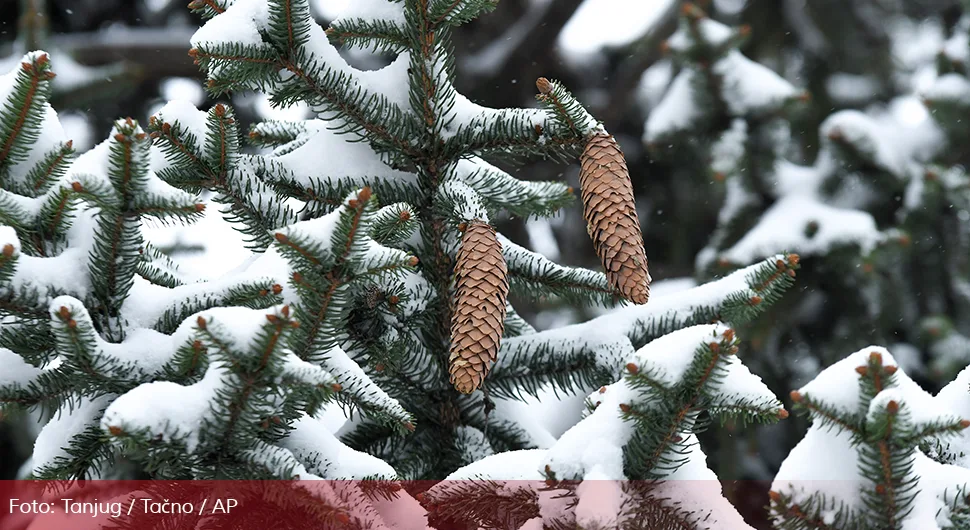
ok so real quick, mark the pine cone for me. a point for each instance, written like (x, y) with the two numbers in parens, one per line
(611, 218)
(482, 284)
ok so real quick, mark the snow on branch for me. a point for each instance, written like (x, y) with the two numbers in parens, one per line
(584, 353)
(862, 460)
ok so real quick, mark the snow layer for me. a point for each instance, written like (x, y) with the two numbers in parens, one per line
(315, 446)
(70, 421)
(784, 227)
(677, 111)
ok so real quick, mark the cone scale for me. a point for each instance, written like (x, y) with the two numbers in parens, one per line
(481, 288)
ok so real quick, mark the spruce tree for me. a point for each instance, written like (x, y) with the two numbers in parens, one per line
(363, 221)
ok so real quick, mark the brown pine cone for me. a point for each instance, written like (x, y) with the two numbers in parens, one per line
(611, 218)
(482, 285)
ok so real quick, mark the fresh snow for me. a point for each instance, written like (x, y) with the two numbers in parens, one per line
(749, 87)
(783, 227)
(311, 441)
(240, 24)
(70, 420)
(167, 410)
(16, 371)
(677, 111)
(626, 21)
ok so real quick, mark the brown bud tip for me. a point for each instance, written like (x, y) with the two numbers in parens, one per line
(632, 368)
(27, 67)
(756, 300)
(404, 215)
(420, 497)
(782, 414)
(285, 310)
(862, 370)
(715, 347)
(297, 277)
(890, 370)
(197, 345)
(277, 288)
(867, 268)
(193, 52)
(875, 358)
(69, 144)
(263, 292)
(905, 240)
(295, 324)
(353, 203)
(538, 129)
(793, 259)
(273, 319)
(796, 396)
(719, 177)
(253, 135)
(72, 323)
(141, 136)
(115, 430)
(7, 250)
(365, 194)
(724, 263)
(379, 367)
(462, 227)
(281, 237)
(201, 322)
(336, 387)
(570, 190)
(64, 312)
(343, 518)
(774, 496)
(880, 489)
(409, 426)
(393, 299)
(211, 83)
(602, 390)
(413, 261)
(733, 350)
(729, 335)
(77, 187)
(625, 408)
(42, 59)
(892, 407)
(200, 207)
(544, 85)
(166, 128)
(744, 30)
(791, 273)
(220, 110)
(120, 137)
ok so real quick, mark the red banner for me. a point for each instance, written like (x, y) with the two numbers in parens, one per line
(303, 504)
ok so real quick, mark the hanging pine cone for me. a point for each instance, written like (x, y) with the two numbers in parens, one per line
(482, 284)
(611, 218)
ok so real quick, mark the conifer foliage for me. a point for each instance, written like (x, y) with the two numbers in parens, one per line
(379, 284)
(860, 465)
